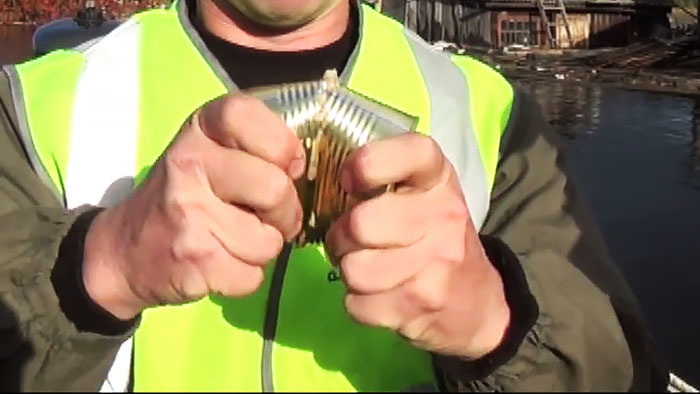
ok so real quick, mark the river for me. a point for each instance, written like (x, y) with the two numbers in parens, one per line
(636, 158)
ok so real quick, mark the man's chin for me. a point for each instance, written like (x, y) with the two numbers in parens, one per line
(281, 14)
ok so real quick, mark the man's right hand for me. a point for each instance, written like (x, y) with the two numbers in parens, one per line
(215, 209)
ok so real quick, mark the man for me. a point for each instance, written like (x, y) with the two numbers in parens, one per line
(480, 272)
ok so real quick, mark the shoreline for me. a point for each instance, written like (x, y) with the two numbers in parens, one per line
(657, 82)
(664, 66)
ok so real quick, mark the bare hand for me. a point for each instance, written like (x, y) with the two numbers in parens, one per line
(411, 259)
(214, 210)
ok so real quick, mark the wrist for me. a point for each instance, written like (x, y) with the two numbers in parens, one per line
(102, 269)
(523, 315)
(496, 314)
(67, 279)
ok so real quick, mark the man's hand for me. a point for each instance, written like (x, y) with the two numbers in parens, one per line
(213, 211)
(411, 259)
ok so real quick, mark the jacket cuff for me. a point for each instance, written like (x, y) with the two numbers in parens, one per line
(524, 313)
(67, 280)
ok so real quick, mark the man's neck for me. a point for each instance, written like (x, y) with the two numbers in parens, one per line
(224, 21)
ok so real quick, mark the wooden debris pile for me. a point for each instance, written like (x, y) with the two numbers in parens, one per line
(664, 65)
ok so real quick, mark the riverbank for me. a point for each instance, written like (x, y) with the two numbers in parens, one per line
(671, 66)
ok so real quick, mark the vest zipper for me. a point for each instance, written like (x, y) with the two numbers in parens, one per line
(271, 315)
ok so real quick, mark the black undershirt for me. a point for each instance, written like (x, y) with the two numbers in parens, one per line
(248, 67)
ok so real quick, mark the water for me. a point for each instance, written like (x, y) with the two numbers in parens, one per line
(636, 158)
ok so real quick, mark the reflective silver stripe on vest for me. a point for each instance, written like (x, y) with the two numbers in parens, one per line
(24, 135)
(117, 380)
(451, 123)
(105, 121)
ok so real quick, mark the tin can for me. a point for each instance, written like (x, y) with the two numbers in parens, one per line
(331, 121)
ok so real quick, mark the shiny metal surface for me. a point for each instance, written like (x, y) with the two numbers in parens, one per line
(331, 121)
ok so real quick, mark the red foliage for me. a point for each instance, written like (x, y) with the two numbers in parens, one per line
(43, 11)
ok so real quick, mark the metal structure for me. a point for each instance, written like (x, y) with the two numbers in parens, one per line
(551, 27)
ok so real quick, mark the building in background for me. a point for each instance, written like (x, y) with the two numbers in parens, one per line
(502, 23)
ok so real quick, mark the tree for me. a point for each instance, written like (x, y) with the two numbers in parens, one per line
(43, 11)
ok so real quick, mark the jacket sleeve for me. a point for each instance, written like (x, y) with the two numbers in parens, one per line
(587, 331)
(52, 338)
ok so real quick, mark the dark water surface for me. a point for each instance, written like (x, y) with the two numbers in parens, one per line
(636, 158)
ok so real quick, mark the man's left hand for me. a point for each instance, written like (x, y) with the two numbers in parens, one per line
(411, 259)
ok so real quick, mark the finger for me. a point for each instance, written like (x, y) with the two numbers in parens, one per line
(200, 260)
(243, 179)
(189, 195)
(377, 270)
(389, 311)
(388, 221)
(243, 235)
(377, 310)
(244, 122)
(231, 277)
(409, 159)
(402, 307)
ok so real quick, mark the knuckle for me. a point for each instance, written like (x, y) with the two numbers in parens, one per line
(456, 211)
(175, 205)
(417, 297)
(357, 228)
(187, 249)
(359, 309)
(234, 109)
(347, 272)
(282, 152)
(452, 253)
(271, 242)
(352, 273)
(247, 282)
(210, 116)
(356, 311)
(238, 106)
(431, 301)
(279, 187)
(414, 331)
(351, 308)
(180, 159)
(254, 280)
(362, 161)
(179, 207)
(429, 149)
(182, 162)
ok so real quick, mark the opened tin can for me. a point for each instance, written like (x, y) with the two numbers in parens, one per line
(331, 121)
